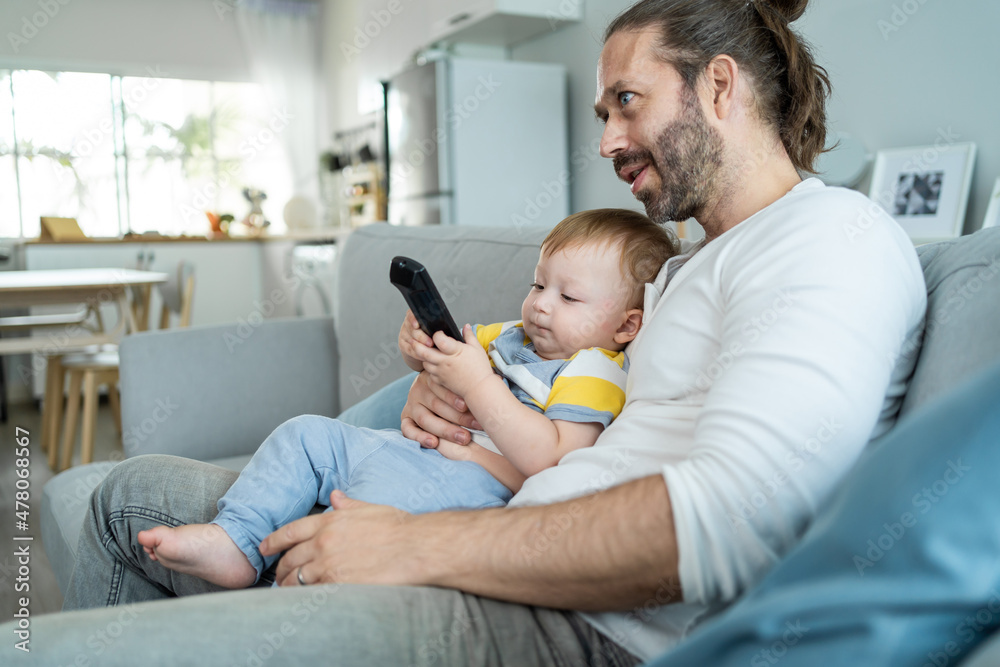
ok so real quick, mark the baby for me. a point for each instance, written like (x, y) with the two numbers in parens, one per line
(541, 387)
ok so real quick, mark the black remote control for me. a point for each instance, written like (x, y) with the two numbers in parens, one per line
(414, 282)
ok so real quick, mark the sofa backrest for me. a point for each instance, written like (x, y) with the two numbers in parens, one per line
(962, 331)
(483, 273)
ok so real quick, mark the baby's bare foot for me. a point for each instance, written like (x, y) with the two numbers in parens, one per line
(201, 549)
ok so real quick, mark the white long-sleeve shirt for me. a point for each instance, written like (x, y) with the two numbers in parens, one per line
(774, 354)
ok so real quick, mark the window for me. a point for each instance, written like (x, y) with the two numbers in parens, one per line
(134, 154)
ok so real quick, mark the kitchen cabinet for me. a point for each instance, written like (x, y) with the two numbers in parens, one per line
(227, 276)
(499, 22)
(227, 273)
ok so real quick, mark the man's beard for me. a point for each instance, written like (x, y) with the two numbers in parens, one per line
(687, 158)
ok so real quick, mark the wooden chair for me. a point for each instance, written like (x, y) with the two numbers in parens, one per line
(88, 372)
(55, 375)
(140, 295)
(88, 318)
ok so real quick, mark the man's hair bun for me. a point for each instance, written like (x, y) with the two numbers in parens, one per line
(791, 10)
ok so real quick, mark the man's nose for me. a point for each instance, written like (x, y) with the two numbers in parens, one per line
(613, 139)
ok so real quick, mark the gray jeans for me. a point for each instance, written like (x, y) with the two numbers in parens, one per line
(334, 624)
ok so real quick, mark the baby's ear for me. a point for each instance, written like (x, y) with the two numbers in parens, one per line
(629, 329)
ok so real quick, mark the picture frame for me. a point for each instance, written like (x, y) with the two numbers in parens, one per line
(992, 218)
(925, 188)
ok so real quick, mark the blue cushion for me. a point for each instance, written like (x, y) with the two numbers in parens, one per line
(901, 568)
(383, 408)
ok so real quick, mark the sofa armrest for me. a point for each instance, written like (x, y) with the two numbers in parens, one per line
(213, 392)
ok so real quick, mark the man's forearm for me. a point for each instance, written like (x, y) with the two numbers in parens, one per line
(615, 550)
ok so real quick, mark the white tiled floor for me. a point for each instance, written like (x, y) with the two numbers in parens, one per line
(44, 592)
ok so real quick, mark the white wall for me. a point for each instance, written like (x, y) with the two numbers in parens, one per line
(897, 88)
(892, 88)
(593, 183)
(194, 39)
(341, 72)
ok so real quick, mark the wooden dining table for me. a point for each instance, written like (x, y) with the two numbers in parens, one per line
(55, 335)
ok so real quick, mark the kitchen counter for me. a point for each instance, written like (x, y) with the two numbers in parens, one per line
(318, 234)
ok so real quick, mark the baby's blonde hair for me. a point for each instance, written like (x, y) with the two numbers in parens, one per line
(644, 245)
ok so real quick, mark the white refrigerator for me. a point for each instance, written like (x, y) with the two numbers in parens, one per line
(478, 142)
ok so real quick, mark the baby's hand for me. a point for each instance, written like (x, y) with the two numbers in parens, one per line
(457, 365)
(411, 338)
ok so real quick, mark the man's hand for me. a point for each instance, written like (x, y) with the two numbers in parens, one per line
(595, 553)
(459, 366)
(432, 412)
(356, 543)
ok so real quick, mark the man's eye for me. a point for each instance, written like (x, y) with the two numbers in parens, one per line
(625, 98)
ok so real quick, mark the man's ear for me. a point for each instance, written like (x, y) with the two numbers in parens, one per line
(629, 329)
(722, 78)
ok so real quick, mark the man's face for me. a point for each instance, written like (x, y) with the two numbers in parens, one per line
(655, 130)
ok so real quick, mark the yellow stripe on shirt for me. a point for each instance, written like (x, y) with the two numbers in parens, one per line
(594, 393)
(487, 333)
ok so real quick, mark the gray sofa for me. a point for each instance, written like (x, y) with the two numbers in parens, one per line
(215, 393)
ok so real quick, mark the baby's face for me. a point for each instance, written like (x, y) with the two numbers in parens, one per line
(578, 301)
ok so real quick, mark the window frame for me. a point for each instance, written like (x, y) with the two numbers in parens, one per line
(120, 154)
